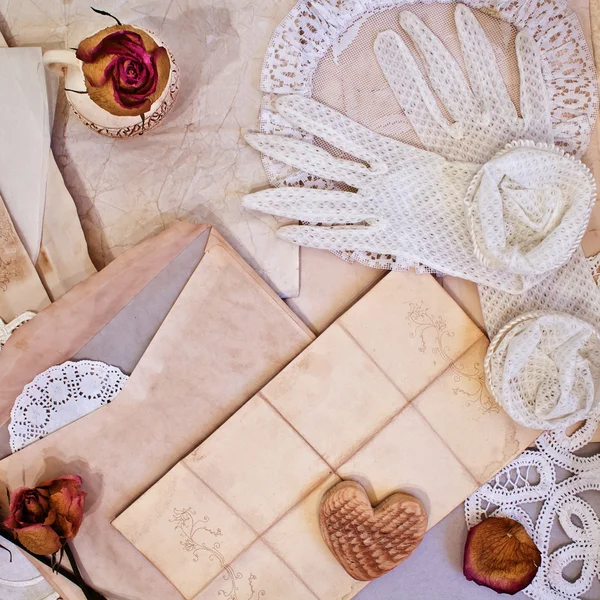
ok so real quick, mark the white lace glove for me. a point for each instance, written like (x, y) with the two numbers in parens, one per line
(505, 224)
(484, 118)
(538, 392)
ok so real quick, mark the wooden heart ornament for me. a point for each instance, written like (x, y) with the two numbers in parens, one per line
(368, 542)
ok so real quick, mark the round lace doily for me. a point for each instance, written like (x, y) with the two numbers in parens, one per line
(60, 395)
(548, 490)
(324, 49)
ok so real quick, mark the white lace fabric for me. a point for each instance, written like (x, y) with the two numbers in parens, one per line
(316, 30)
(60, 395)
(570, 289)
(483, 116)
(515, 247)
(543, 368)
(525, 214)
(529, 210)
(534, 491)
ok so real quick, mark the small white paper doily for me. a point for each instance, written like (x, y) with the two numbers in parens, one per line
(60, 395)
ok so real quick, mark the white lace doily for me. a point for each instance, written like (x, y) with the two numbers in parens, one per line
(60, 395)
(328, 32)
(7, 329)
(549, 481)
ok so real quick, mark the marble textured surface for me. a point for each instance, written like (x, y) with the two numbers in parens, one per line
(196, 165)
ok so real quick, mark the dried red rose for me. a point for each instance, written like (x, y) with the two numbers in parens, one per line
(125, 69)
(499, 554)
(43, 518)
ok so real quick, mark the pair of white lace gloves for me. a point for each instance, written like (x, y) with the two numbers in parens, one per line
(490, 200)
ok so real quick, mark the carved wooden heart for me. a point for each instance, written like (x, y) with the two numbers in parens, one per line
(368, 542)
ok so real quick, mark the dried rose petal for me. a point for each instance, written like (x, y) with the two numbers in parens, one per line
(499, 554)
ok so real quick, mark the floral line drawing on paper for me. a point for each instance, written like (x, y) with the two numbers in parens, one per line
(7, 274)
(189, 527)
(427, 328)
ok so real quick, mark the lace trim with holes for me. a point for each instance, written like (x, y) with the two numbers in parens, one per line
(534, 477)
(7, 329)
(60, 395)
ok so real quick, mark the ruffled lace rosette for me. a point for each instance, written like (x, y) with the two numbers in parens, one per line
(60, 395)
(529, 207)
(543, 368)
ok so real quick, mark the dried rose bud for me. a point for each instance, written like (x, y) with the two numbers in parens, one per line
(45, 517)
(499, 554)
(125, 69)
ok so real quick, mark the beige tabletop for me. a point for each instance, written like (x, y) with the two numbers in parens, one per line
(197, 167)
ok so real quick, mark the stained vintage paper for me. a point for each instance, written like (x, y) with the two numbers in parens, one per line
(392, 395)
(21, 289)
(63, 260)
(40, 208)
(62, 329)
(196, 166)
(227, 334)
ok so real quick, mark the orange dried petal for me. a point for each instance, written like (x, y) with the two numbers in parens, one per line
(499, 554)
(104, 97)
(39, 539)
(87, 45)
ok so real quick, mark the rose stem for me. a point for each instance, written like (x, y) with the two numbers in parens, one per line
(106, 14)
(88, 592)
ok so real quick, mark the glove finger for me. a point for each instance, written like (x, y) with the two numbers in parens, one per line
(444, 73)
(342, 132)
(410, 88)
(348, 237)
(484, 74)
(301, 204)
(535, 104)
(312, 159)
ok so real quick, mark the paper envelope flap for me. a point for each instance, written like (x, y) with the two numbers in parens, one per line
(226, 336)
(61, 330)
(139, 320)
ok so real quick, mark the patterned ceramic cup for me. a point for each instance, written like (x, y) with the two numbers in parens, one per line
(96, 117)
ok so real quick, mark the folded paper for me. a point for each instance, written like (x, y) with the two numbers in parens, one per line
(225, 334)
(392, 396)
(20, 286)
(24, 152)
(68, 325)
(36, 207)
